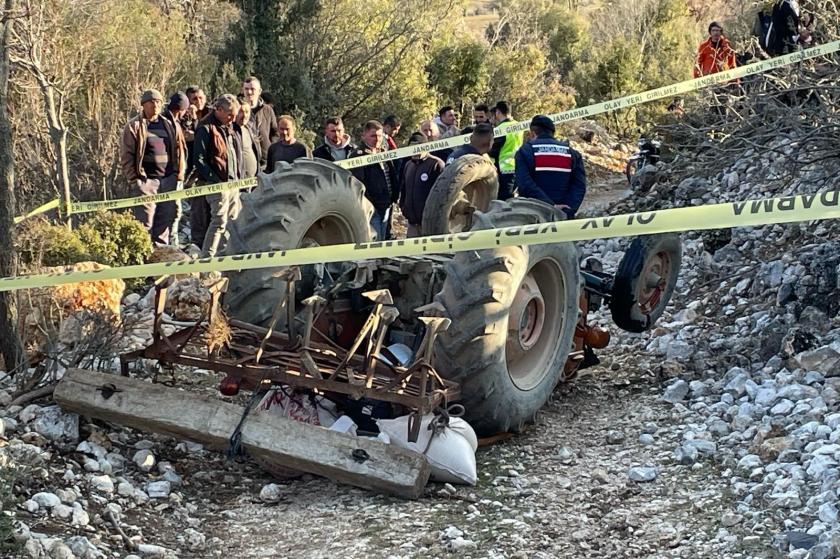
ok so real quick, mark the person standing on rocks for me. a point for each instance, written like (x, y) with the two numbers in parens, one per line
(337, 145)
(416, 180)
(262, 116)
(287, 148)
(153, 160)
(550, 170)
(379, 180)
(218, 158)
(715, 54)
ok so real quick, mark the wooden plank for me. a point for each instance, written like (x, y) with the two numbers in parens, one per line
(270, 438)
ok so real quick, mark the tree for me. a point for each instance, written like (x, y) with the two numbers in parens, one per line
(356, 58)
(28, 34)
(10, 345)
(458, 72)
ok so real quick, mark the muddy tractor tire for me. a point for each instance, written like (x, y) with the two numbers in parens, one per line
(468, 184)
(308, 203)
(513, 311)
(645, 281)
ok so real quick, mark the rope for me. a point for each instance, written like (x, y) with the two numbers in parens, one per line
(235, 442)
(441, 421)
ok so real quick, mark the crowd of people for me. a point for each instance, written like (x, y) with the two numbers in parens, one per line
(780, 32)
(185, 141)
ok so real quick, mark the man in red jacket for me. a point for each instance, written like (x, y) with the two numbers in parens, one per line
(715, 54)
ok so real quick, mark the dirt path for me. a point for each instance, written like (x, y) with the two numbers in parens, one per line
(559, 490)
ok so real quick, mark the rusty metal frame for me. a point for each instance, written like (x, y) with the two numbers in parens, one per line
(258, 357)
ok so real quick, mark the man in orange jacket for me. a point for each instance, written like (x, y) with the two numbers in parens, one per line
(715, 54)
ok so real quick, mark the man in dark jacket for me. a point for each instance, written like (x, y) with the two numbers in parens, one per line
(416, 180)
(262, 116)
(218, 158)
(480, 143)
(288, 148)
(549, 170)
(153, 159)
(786, 30)
(379, 179)
(337, 145)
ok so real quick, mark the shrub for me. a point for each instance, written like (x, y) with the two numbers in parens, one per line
(115, 239)
(40, 243)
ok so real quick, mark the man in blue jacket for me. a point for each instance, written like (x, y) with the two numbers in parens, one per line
(549, 170)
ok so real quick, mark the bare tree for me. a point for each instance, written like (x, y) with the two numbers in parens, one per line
(27, 48)
(10, 345)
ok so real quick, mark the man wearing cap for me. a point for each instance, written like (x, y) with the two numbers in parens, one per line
(153, 160)
(549, 170)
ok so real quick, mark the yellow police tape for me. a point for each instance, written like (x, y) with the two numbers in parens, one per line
(805, 207)
(44, 208)
(456, 141)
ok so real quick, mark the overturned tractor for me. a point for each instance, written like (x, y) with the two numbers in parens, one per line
(495, 330)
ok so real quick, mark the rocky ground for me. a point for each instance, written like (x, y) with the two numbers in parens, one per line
(717, 434)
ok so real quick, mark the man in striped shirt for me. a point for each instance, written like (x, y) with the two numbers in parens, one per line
(550, 170)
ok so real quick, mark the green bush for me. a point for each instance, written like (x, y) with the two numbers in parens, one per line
(115, 239)
(40, 243)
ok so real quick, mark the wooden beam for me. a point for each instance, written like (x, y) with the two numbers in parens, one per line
(360, 461)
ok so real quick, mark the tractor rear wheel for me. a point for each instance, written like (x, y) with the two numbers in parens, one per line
(308, 203)
(466, 185)
(513, 311)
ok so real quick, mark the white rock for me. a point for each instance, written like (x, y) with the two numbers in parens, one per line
(31, 506)
(460, 545)
(642, 474)
(194, 539)
(83, 548)
(158, 489)
(782, 408)
(102, 483)
(270, 493)
(46, 500)
(80, 516)
(151, 551)
(62, 511)
(450, 533)
(125, 489)
(29, 413)
(828, 513)
(820, 465)
(145, 460)
(676, 392)
(748, 463)
(56, 425)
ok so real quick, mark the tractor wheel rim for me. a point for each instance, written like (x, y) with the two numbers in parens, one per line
(653, 281)
(535, 322)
